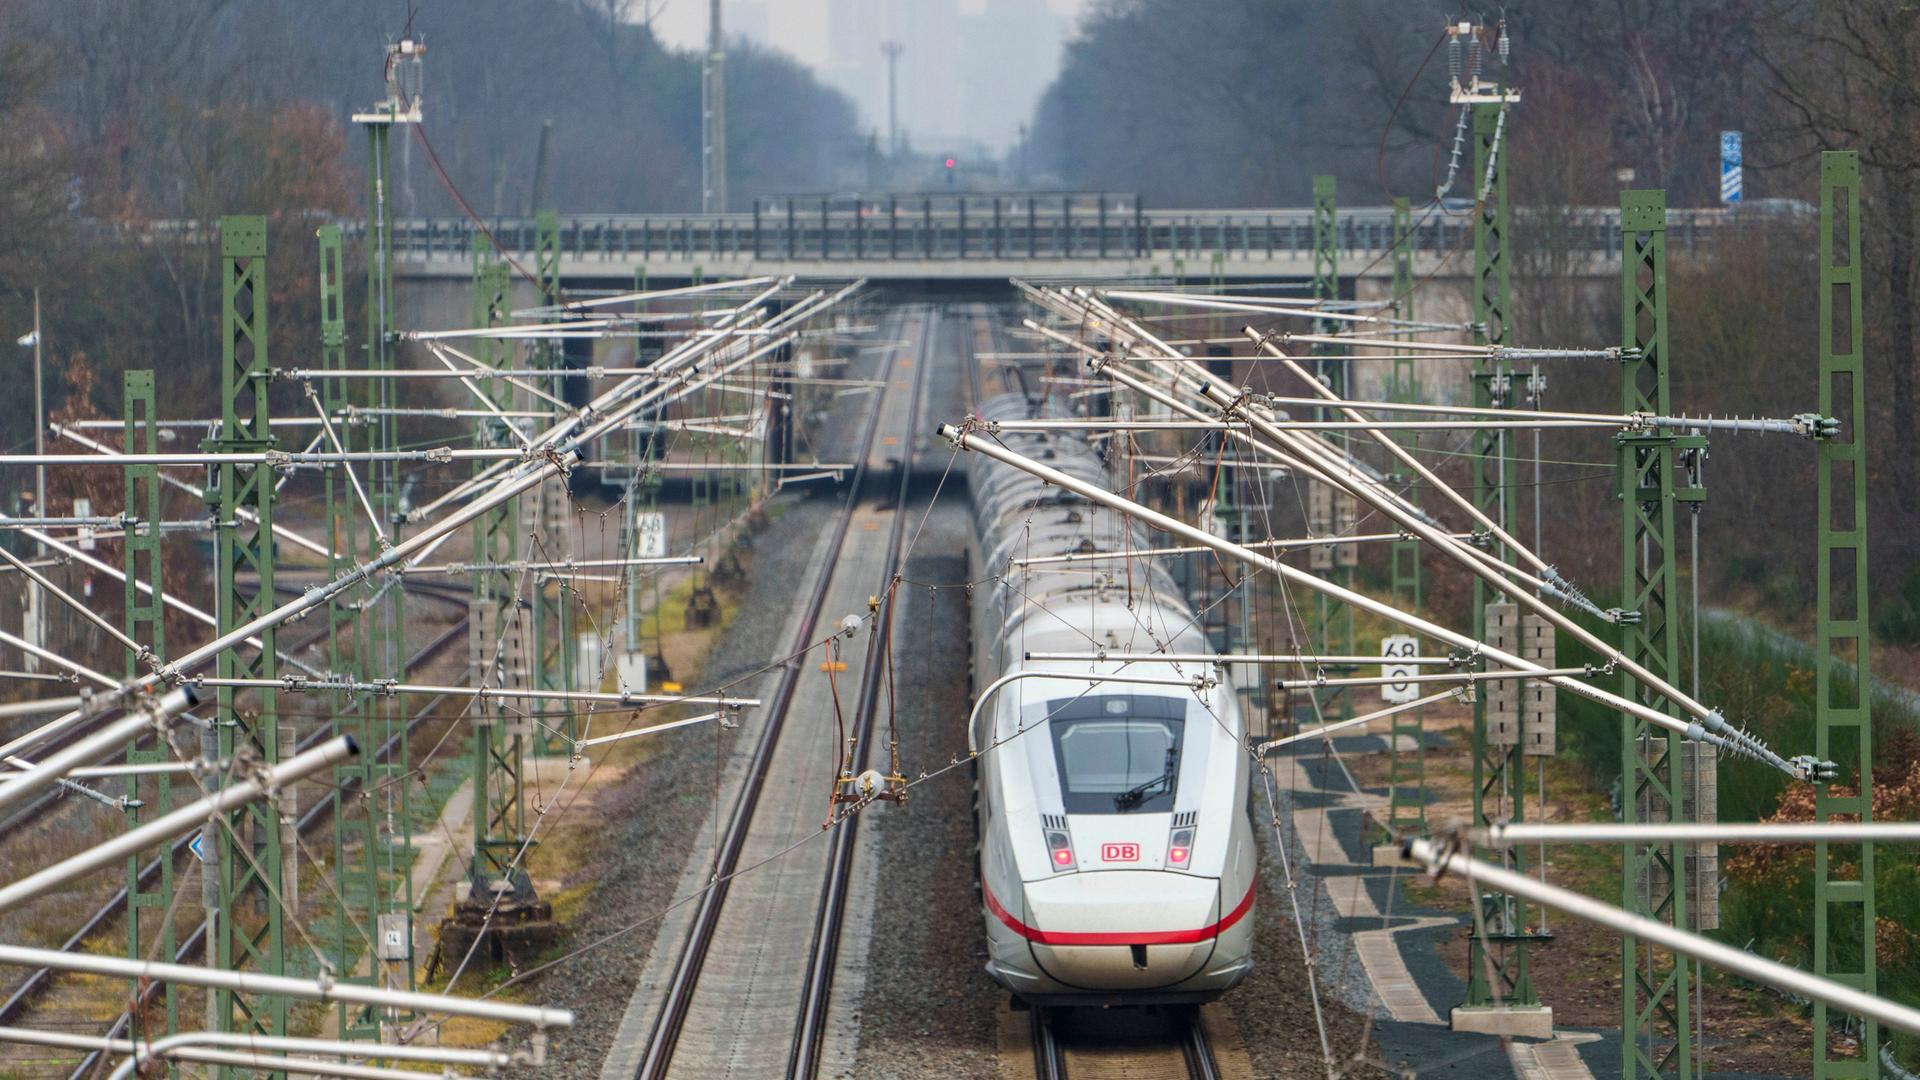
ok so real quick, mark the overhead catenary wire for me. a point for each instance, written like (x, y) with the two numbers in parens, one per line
(1693, 730)
(1441, 858)
(540, 464)
(248, 1059)
(1302, 544)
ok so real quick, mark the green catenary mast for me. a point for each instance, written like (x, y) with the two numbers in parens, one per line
(144, 620)
(1407, 778)
(246, 859)
(1843, 879)
(1499, 777)
(1656, 1004)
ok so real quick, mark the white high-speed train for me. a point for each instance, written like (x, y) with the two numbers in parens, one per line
(1117, 861)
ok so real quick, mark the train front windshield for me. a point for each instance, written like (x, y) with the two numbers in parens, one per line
(1117, 753)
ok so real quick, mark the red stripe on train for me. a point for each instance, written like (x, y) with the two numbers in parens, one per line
(1144, 937)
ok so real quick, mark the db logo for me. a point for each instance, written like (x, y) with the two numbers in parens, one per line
(1119, 852)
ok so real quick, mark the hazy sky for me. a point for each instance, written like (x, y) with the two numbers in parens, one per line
(800, 28)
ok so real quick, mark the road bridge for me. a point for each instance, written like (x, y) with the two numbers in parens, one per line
(965, 237)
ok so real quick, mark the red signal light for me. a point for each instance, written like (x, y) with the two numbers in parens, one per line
(949, 163)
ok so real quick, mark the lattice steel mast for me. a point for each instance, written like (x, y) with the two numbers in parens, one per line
(144, 620)
(1330, 509)
(1498, 971)
(1407, 771)
(246, 856)
(549, 540)
(1656, 1027)
(1843, 886)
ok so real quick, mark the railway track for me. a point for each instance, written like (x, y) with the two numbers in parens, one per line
(30, 812)
(823, 953)
(740, 975)
(316, 815)
(40, 982)
(1162, 1043)
(1122, 1044)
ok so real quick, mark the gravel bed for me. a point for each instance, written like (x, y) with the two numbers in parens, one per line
(930, 1008)
(654, 813)
(1273, 1008)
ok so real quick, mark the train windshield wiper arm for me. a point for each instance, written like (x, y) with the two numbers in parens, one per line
(1137, 794)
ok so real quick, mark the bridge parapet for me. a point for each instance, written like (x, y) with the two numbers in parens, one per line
(960, 236)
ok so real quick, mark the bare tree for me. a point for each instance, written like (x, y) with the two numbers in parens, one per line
(1847, 76)
(33, 161)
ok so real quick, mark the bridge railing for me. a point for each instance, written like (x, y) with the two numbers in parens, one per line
(1020, 228)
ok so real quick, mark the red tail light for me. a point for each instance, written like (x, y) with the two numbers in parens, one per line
(1180, 847)
(1060, 850)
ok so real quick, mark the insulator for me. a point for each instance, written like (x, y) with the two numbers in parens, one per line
(1473, 57)
(1453, 57)
(1506, 44)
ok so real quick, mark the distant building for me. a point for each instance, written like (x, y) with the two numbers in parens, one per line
(1010, 51)
(855, 29)
(970, 70)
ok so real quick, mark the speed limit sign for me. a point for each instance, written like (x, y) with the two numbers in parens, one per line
(1395, 646)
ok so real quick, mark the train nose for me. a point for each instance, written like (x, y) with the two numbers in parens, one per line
(1123, 930)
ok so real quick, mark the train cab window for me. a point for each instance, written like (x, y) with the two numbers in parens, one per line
(1117, 753)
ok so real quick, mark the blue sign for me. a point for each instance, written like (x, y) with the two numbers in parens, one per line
(196, 846)
(1730, 183)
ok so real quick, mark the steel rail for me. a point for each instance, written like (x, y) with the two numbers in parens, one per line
(320, 812)
(36, 982)
(179, 822)
(1197, 1045)
(1049, 1058)
(672, 1016)
(803, 1058)
(63, 738)
(1186, 1028)
(49, 771)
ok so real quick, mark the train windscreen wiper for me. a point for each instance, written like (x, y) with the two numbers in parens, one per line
(1134, 796)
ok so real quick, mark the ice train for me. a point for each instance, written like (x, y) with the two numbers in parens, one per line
(1117, 862)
